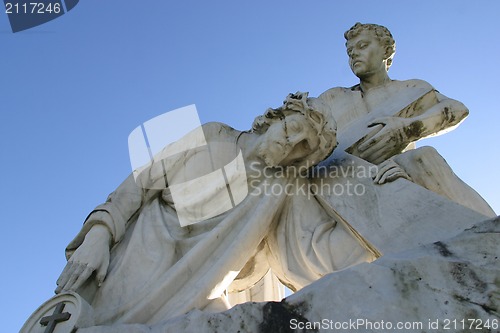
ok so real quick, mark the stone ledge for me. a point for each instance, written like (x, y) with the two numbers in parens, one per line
(457, 278)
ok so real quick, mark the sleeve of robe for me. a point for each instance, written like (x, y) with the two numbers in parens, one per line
(118, 209)
(129, 197)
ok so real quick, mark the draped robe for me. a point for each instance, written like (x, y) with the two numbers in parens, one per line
(159, 269)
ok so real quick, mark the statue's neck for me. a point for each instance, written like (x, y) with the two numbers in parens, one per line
(373, 81)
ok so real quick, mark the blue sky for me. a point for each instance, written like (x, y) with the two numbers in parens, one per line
(74, 88)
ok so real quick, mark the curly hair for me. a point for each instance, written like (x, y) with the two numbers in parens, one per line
(383, 35)
(325, 130)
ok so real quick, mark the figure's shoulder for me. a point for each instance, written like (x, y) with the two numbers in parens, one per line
(413, 83)
(217, 129)
(337, 92)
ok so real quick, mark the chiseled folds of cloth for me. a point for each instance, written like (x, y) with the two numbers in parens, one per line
(158, 269)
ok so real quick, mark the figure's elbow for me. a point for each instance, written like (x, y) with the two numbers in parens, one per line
(454, 112)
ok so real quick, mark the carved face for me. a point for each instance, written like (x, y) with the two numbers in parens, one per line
(288, 142)
(366, 55)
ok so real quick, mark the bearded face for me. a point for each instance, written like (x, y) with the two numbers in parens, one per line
(288, 141)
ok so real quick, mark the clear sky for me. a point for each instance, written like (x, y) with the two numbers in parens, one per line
(74, 88)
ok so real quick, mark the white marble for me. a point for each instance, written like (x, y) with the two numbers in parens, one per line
(158, 268)
(253, 205)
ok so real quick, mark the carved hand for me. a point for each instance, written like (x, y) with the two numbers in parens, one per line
(392, 138)
(389, 171)
(91, 256)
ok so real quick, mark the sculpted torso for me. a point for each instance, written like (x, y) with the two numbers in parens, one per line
(349, 104)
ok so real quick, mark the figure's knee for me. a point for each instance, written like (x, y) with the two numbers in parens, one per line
(425, 154)
(428, 158)
(424, 165)
(420, 158)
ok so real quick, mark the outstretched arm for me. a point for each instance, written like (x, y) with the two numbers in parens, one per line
(89, 252)
(91, 256)
(396, 133)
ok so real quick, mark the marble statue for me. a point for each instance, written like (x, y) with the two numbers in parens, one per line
(158, 269)
(333, 182)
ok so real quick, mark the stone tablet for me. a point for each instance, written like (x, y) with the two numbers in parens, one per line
(63, 313)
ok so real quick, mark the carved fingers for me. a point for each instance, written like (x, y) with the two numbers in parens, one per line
(389, 171)
(73, 276)
(92, 256)
(102, 270)
(389, 140)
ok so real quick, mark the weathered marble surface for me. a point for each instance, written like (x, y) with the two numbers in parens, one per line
(456, 278)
